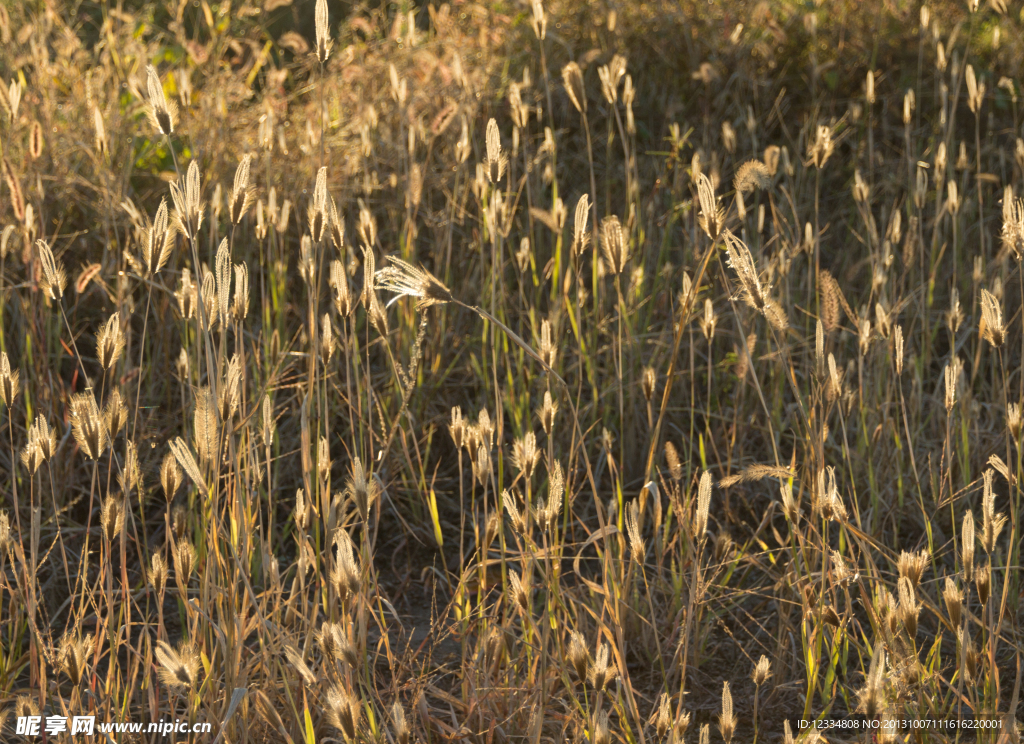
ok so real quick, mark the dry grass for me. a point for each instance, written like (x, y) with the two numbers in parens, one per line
(324, 422)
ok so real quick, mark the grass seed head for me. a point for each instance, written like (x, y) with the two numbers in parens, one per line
(323, 42)
(162, 113)
(991, 320)
(89, 426)
(241, 194)
(179, 668)
(526, 455)
(675, 466)
(579, 656)
(648, 383)
(572, 77)
(495, 161)
(913, 565)
(953, 598)
(112, 517)
(110, 342)
(600, 672)
(727, 719)
(9, 380)
(362, 488)
(158, 573)
(548, 410)
(602, 730)
(700, 520)
(73, 656)
(401, 726)
(983, 582)
(55, 279)
(712, 215)
(184, 562)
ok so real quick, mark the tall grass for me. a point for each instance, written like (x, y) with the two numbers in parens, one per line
(323, 422)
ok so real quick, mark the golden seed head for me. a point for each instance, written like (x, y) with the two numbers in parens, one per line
(241, 194)
(712, 215)
(908, 608)
(700, 520)
(991, 320)
(913, 565)
(822, 147)
(727, 719)
(54, 277)
(871, 696)
(458, 429)
(515, 516)
(953, 597)
(983, 582)
(663, 717)
(992, 523)
(408, 280)
(73, 656)
(600, 672)
(323, 43)
(519, 590)
(184, 561)
(110, 342)
(240, 301)
(547, 413)
(790, 504)
(633, 528)
(762, 671)
(89, 427)
(162, 113)
(752, 175)
(548, 350)
(675, 467)
(188, 207)
(614, 244)
(648, 383)
(401, 727)
(362, 489)
(112, 517)
(572, 77)
(579, 656)
(179, 668)
(338, 281)
(967, 546)
(580, 236)
(525, 454)
(602, 729)
(495, 161)
(32, 456)
(158, 573)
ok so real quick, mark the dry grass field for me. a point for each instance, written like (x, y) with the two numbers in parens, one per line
(511, 370)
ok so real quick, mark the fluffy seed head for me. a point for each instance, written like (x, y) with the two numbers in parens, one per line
(967, 546)
(9, 380)
(54, 277)
(179, 668)
(712, 215)
(953, 597)
(496, 161)
(88, 426)
(727, 719)
(700, 521)
(110, 342)
(613, 242)
(572, 77)
(991, 320)
(323, 43)
(580, 237)
(162, 113)
(752, 175)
